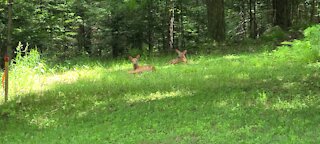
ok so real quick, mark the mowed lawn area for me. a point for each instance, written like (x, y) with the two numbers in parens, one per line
(227, 98)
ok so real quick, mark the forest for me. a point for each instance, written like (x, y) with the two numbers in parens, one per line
(168, 71)
(108, 29)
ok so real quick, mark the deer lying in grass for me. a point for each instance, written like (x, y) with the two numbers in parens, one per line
(137, 68)
(181, 57)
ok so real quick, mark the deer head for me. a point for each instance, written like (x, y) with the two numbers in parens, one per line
(134, 61)
(181, 57)
(137, 68)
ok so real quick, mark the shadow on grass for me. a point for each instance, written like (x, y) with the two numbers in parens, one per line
(255, 105)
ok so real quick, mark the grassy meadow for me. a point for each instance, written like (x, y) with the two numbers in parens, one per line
(265, 97)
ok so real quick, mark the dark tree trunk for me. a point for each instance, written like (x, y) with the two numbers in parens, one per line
(164, 28)
(117, 49)
(150, 27)
(216, 21)
(282, 10)
(318, 17)
(81, 37)
(313, 11)
(243, 31)
(269, 11)
(87, 39)
(181, 38)
(295, 15)
(253, 21)
(8, 51)
(137, 40)
(84, 31)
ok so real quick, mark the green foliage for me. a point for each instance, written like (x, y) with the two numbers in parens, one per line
(306, 50)
(275, 34)
(26, 69)
(312, 34)
(26, 59)
(111, 28)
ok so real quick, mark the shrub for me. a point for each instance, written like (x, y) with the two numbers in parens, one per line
(305, 50)
(25, 70)
(28, 60)
(274, 34)
(312, 35)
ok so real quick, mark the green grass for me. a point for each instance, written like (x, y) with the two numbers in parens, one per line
(247, 98)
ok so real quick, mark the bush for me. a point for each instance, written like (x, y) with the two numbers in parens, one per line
(274, 34)
(28, 60)
(312, 35)
(25, 70)
(306, 50)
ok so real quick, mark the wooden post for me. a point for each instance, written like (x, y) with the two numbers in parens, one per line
(8, 50)
(6, 74)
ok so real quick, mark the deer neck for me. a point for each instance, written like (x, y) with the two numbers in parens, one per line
(135, 66)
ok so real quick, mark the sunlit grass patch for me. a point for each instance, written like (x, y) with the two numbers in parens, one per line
(296, 103)
(119, 67)
(231, 57)
(133, 98)
(67, 77)
(42, 122)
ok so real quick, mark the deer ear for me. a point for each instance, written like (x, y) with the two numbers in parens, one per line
(178, 51)
(138, 56)
(184, 52)
(130, 57)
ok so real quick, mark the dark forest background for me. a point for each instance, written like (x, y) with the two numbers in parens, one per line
(61, 29)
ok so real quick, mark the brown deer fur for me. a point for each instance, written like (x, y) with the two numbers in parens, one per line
(137, 68)
(181, 57)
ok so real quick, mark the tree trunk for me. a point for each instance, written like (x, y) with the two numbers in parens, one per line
(7, 52)
(216, 21)
(181, 38)
(84, 31)
(253, 22)
(282, 9)
(171, 25)
(117, 49)
(150, 26)
(295, 14)
(243, 31)
(318, 17)
(8, 49)
(164, 27)
(313, 11)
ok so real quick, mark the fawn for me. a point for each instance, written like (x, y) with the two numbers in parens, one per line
(181, 57)
(137, 68)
